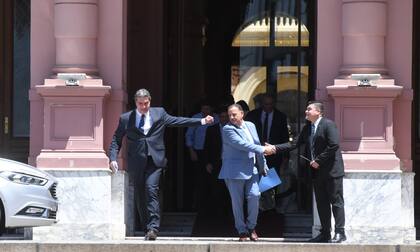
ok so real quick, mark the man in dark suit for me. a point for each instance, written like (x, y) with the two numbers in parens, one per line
(272, 128)
(321, 140)
(144, 129)
(212, 157)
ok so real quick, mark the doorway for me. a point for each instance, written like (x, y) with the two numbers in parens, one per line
(416, 114)
(213, 49)
(14, 79)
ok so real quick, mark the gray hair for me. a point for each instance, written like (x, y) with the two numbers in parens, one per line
(142, 93)
(318, 106)
(235, 105)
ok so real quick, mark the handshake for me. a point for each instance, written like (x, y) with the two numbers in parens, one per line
(269, 149)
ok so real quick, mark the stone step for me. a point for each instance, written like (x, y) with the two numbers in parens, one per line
(175, 224)
(170, 244)
(297, 225)
(12, 234)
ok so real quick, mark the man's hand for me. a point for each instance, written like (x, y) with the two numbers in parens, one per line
(265, 171)
(114, 166)
(269, 149)
(314, 165)
(208, 119)
(193, 155)
(209, 168)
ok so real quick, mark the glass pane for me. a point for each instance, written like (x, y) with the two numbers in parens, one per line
(247, 83)
(21, 67)
(288, 26)
(255, 28)
(292, 96)
(287, 32)
(255, 33)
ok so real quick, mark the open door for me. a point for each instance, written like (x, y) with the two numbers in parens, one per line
(14, 79)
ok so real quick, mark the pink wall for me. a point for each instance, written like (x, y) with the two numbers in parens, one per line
(329, 48)
(398, 58)
(112, 61)
(42, 61)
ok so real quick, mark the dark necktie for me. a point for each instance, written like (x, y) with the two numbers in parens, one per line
(311, 140)
(141, 123)
(265, 129)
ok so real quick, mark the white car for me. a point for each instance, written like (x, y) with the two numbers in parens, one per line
(27, 196)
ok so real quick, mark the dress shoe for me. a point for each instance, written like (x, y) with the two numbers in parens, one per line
(151, 235)
(243, 237)
(338, 238)
(253, 235)
(320, 238)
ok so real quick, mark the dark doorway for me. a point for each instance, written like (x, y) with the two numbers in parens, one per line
(416, 113)
(188, 50)
(14, 79)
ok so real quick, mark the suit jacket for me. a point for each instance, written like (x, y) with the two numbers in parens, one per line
(212, 153)
(236, 163)
(278, 134)
(326, 149)
(139, 145)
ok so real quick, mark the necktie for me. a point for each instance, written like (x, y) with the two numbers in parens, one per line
(141, 123)
(311, 140)
(265, 129)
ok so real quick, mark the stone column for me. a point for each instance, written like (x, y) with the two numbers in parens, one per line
(364, 31)
(75, 31)
(378, 196)
(92, 201)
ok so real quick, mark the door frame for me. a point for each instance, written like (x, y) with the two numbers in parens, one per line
(16, 148)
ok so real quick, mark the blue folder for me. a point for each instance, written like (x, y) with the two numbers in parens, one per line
(269, 181)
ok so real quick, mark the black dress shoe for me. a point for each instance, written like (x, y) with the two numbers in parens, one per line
(338, 238)
(151, 235)
(322, 237)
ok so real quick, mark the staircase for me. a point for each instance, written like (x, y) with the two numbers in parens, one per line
(297, 225)
(175, 225)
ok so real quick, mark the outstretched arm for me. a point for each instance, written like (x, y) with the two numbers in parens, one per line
(178, 121)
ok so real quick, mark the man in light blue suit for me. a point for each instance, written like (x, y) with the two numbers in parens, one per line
(242, 163)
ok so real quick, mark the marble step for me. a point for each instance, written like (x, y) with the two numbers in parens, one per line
(169, 244)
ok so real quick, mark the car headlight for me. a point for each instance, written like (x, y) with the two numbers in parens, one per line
(23, 178)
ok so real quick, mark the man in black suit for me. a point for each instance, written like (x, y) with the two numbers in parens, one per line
(321, 140)
(272, 128)
(212, 157)
(144, 129)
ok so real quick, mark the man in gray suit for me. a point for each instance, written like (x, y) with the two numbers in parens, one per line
(242, 162)
(144, 129)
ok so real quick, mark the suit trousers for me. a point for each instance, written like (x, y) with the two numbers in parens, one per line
(146, 195)
(329, 195)
(238, 189)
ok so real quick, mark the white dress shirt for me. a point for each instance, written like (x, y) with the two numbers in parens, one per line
(147, 121)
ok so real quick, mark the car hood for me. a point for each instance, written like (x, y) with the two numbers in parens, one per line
(10, 165)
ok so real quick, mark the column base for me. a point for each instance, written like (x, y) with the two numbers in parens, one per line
(72, 159)
(379, 207)
(92, 206)
(378, 161)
